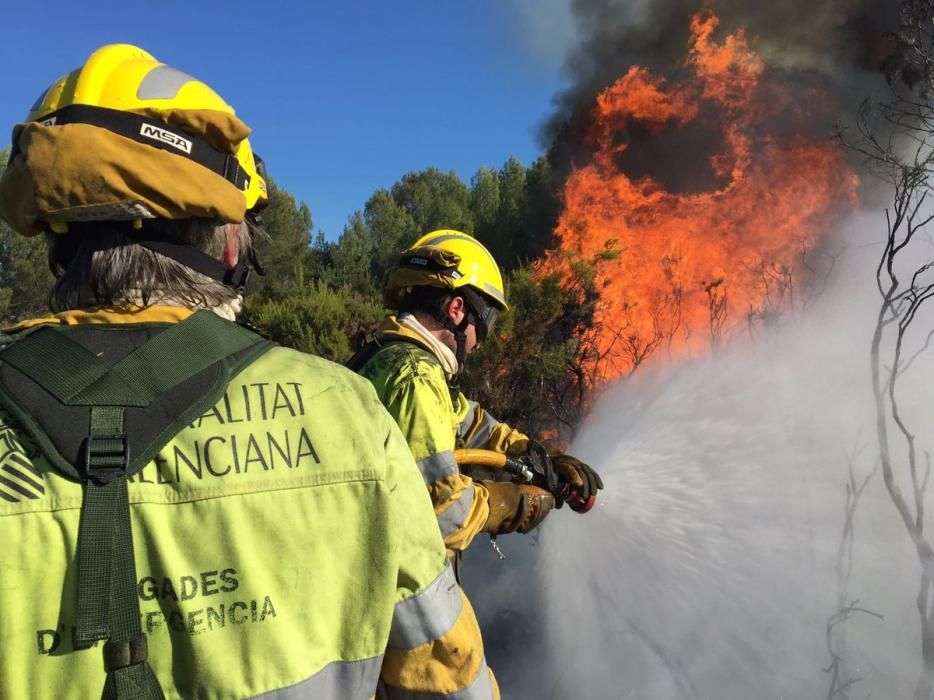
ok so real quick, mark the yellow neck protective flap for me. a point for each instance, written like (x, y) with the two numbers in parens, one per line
(425, 266)
(80, 172)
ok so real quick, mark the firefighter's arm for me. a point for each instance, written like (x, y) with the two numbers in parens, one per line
(435, 647)
(480, 430)
(422, 407)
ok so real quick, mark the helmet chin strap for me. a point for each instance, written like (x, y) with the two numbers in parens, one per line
(460, 334)
(236, 277)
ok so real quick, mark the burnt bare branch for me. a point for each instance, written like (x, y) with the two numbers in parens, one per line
(896, 137)
(840, 680)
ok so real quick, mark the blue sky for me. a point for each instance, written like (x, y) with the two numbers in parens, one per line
(343, 97)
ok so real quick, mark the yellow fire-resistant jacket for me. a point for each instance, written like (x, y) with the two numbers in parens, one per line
(410, 382)
(284, 543)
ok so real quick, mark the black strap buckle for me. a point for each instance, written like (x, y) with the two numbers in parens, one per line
(125, 652)
(103, 460)
(238, 277)
(234, 173)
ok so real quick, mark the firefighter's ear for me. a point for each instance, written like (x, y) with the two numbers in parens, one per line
(232, 251)
(456, 309)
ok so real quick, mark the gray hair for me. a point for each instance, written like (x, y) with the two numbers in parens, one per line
(98, 264)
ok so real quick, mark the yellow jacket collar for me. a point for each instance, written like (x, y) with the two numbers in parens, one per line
(116, 315)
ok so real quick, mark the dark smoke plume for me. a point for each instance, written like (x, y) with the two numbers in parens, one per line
(827, 47)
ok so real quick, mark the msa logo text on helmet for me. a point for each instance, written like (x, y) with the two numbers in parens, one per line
(172, 139)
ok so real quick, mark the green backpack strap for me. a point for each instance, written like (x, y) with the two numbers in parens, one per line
(374, 343)
(108, 607)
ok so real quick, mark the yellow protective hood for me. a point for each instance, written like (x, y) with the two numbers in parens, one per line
(80, 172)
(434, 270)
(407, 326)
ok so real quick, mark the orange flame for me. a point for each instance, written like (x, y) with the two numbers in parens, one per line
(695, 266)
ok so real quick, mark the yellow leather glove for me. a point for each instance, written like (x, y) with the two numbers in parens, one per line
(516, 507)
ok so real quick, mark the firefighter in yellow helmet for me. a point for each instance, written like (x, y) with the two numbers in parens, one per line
(186, 509)
(448, 290)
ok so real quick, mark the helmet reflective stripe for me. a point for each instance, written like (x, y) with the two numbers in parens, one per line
(163, 83)
(494, 292)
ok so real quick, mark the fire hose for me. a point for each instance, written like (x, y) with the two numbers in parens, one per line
(524, 472)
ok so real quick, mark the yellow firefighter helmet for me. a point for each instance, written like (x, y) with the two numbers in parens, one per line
(127, 137)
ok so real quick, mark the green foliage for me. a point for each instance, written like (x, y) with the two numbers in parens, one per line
(515, 211)
(25, 279)
(434, 200)
(392, 229)
(485, 200)
(542, 208)
(352, 256)
(285, 252)
(316, 319)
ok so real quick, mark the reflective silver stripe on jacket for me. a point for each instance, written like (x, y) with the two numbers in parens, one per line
(480, 436)
(453, 518)
(437, 466)
(350, 680)
(472, 407)
(428, 614)
(480, 689)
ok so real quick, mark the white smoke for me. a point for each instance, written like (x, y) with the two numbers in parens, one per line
(708, 568)
(546, 28)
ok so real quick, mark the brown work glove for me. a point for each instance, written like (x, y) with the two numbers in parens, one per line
(580, 476)
(516, 507)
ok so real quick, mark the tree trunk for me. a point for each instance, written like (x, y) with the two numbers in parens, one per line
(926, 681)
(925, 688)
